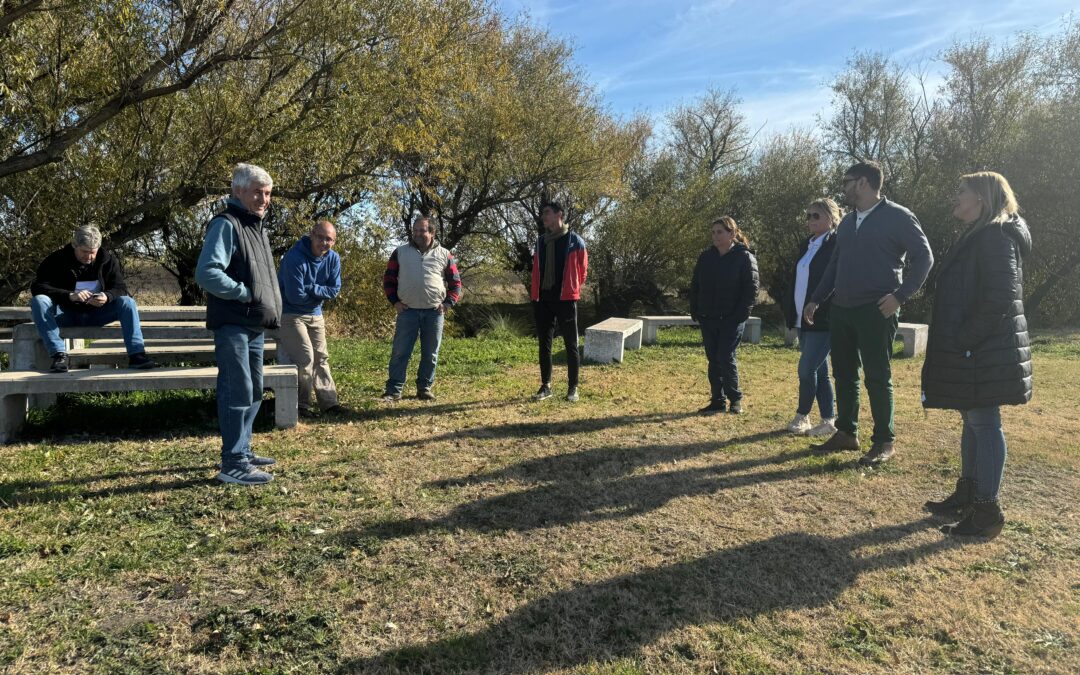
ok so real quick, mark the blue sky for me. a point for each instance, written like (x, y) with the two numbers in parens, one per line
(647, 57)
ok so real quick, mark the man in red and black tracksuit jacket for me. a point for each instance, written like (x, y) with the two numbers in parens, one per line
(560, 263)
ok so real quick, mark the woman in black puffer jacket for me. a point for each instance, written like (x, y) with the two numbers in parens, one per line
(978, 356)
(722, 293)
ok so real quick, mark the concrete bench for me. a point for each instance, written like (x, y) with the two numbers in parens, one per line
(15, 386)
(605, 341)
(914, 336)
(650, 324)
(116, 355)
(146, 313)
(29, 353)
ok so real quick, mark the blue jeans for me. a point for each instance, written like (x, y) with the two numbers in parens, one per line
(50, 318)
(239, 354)
(814, 374)
(428, 325)
(721, 338)
(983, 450)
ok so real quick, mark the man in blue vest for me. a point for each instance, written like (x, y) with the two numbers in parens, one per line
(236, 269)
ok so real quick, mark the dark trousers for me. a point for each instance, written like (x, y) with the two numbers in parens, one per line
(563, 314)
(861, 336)
(721, 338)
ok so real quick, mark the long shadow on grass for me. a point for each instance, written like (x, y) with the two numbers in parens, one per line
(396, 410)
(615, 461)
(613, 619)
(17, 493)
(577, 499)
(555, 428)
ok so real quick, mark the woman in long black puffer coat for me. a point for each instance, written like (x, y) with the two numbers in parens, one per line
(978, 356)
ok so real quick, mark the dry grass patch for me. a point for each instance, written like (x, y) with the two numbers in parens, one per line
(485, 532)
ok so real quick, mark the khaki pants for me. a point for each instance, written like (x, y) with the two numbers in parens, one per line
(303, 339)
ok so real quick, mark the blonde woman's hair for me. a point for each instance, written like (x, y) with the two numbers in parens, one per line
(729, 224)
(830, 207)
(998, 201)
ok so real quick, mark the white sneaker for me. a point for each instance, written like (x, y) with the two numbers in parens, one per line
(800, 425)
(826, 428)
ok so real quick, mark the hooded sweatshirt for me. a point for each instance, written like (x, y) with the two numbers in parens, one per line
(307, 280)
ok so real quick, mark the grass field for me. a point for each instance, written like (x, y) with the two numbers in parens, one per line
(485, 532)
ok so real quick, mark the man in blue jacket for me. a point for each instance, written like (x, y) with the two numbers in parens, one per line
(236, 269)
(310, 273)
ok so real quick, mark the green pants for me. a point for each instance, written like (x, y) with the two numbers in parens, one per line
(861, 336)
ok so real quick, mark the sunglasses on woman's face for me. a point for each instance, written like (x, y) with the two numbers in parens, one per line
(810, 215)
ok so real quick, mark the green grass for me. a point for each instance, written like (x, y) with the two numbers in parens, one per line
(485, 532)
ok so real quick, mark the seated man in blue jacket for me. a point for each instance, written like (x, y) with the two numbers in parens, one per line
(310, 272)
(82, 285)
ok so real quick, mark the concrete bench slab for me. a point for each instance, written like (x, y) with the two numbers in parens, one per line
(29, 353)
(146, 313)
(914, 336)
(605, 341)
(650, 324)
(15, 386)
(116, 355)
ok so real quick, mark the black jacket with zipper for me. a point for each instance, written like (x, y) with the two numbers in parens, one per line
(817, 270)
(724, 286)
(57, 274)
(978, 353)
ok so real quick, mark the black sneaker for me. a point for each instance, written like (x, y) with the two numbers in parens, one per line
(141, 361)
(391, 396)
(713, 408)
(307, 413)
(736, 407)
(337, 410)
(59, 363)
(572, 395)
(543, 392)
(425, 395)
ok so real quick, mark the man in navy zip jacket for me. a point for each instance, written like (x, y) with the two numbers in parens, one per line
(881, 259)
(309, 274)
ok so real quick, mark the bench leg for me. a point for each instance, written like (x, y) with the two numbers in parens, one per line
(285, 412)
(648, 333)
(12, 416)
(633, 341)
(602, 347)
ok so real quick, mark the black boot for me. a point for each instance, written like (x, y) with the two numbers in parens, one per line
(983, 519)
(955, 503)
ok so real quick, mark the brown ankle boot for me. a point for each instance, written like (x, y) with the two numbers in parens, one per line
(955, 503)
(841, 440)
(983, 519)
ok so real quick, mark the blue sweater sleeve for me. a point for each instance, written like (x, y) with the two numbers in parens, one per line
(330, 290)
(291, 276)
(218, 248)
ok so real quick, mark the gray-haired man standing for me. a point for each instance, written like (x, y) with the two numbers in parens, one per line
(236, 269)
